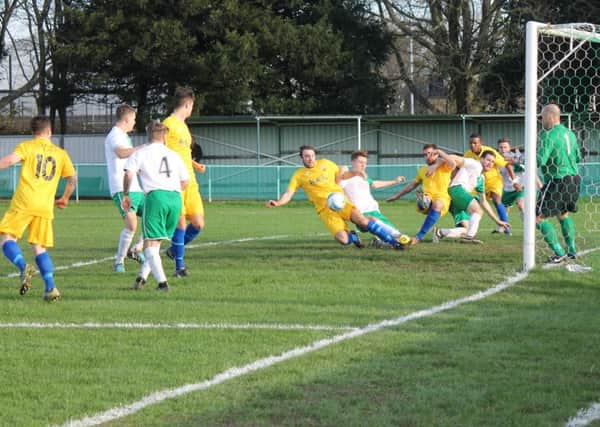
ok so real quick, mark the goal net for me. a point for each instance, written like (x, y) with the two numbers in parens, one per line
(562, 69)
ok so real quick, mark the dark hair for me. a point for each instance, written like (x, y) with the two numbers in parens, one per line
(426, 146)
(475, 135)
(487, 152)
(123, 110)
(182, 94)
(307, 147)
(39, 124)
(504, 139)
(359, 153)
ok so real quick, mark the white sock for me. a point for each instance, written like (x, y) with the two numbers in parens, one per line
(453, 233)
(390, 230)
(145, 269)
(124, 242)
(139, 246)
(153, 260)
(473, 225)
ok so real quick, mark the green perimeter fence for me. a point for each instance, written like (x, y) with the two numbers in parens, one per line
(231, 182)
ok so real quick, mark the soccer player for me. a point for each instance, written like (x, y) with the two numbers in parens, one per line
(31, 207)
(163, 176)
(117, 148)
(467, 191)
(435, 178)
(493, 179)
(510, 195)
(179, 139)
(319, 178)
(357, 186)
(558, 157)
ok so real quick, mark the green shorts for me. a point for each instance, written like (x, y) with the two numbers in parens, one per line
(161, 214)
(137, 202)
(511, 197)
(377, 215)
(461, 199)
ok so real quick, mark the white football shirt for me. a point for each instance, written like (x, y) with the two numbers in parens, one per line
(518, 160)
(468, 174)
(117, 138)
(158, 167)
(358, 191)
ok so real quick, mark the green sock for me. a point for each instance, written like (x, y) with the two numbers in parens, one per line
(568, 231)
(551, 237)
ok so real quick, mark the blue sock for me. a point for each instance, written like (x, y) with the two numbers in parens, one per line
(429, 222)
(12, 251)
(178, 248)
(380, 232)
(502, 214)
(44, 263)
(191, 233)
(352, 237)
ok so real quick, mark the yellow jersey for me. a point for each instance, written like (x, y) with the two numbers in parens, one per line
(43, 164)
(179, 139)
(436, 185)
(317, 182)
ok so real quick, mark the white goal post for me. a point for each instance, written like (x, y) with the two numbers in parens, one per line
(561, 67)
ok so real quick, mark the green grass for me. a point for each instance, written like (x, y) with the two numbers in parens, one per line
(527, 356)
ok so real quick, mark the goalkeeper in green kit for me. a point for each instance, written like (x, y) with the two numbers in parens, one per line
(557, 157)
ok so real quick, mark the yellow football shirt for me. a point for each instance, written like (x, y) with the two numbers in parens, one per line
(317, 182)
(436, 185)
(179, 139)
(42, 166)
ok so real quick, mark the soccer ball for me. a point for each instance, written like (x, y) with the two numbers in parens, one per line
(423, 203)
(336, 201)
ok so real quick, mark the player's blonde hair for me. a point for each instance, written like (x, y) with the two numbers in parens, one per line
(156, 131)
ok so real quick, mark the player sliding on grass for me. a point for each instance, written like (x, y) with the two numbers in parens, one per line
(319, 178)
(467, 191)
(357, 186)
(434, 201)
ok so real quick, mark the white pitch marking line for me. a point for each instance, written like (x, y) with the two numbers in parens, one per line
(585, 416)
(199, 245)
(159, 396)
(93, 325)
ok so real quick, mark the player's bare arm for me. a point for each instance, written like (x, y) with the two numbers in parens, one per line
(9, 160)
(124, 152)
(488, 210)
(388, 183)
(128, 176)
(285, 198)
(198, 167)
(407, 189)
(447, 158)
(63, 200)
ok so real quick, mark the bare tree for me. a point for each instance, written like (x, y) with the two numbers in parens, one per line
(26, 28)
(456, 38)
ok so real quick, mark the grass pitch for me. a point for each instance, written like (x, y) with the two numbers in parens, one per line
(527, 356)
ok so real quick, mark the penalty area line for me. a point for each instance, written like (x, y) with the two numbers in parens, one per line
(231, 373)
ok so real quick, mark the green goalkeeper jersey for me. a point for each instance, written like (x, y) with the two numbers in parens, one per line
(558, 153)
